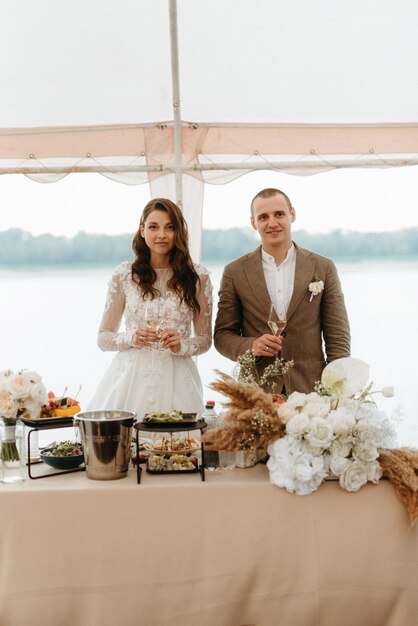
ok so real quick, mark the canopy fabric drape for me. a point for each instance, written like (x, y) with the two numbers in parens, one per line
(300, 88)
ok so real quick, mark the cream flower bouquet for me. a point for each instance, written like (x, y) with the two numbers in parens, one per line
(21, 393)
(336, 432)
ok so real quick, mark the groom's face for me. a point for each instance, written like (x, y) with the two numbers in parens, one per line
(272, 218)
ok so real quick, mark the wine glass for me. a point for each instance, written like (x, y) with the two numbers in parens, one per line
(153, 317)
(276, 321)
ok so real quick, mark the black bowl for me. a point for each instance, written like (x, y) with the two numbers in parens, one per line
(62, 462)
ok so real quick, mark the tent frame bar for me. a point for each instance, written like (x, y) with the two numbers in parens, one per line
(191, 125)
(282, 166)
(175, 79)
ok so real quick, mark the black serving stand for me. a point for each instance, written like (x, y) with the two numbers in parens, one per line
(172, 427)
(47, 423)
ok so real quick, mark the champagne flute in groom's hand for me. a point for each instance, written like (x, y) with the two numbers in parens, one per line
(276, 321)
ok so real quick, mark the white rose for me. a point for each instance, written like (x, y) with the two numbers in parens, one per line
(388, 392)
(32, 376)
(291, 467)
(342, 421)
(316, 287)
(280, 464)
(39, 393)
(341, 446)
(309, 475)
(339, 464)
(363, 431)
(32, 408)
(365, 452)
(286, 412)
(320, 434)
(298, 425)
(354, 477)
(297, 398)
(374, 472)
(19, 386)
(317, 409)
(8, 405)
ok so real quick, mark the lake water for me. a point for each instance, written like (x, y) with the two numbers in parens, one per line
(49, 320)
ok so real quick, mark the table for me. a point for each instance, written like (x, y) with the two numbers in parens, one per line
(229, 551)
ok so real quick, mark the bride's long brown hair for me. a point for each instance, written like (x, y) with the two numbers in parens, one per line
(185, 278)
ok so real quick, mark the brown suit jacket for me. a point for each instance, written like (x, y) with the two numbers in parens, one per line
(317, 331)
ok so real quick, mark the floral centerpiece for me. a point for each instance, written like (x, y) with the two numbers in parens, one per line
(21, 393)
(335, 432)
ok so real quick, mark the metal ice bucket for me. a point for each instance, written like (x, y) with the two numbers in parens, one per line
(106, 439)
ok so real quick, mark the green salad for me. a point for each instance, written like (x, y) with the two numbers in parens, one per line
(65, 448)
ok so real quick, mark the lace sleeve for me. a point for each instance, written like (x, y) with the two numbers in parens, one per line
(109, 338)
(202, 321)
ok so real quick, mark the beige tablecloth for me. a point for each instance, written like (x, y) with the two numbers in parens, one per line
(230, 551)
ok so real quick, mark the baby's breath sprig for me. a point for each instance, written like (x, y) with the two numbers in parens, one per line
(268, 381)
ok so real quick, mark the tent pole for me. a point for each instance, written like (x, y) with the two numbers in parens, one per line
(176, 101)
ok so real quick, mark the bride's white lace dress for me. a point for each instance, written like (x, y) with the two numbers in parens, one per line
(144, 379)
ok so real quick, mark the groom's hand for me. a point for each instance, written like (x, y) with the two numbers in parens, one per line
(267, 345)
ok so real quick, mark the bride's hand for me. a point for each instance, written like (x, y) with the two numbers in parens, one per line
(144, 337)
(170, 339)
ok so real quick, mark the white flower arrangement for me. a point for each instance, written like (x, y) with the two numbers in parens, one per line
(21, 393)
(315, 287)
(334, 432)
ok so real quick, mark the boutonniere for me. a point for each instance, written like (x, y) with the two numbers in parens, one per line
(315, 287)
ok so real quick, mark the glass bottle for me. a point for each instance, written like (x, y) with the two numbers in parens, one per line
(212, 419)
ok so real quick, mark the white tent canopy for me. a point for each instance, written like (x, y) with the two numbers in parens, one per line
(299, 87)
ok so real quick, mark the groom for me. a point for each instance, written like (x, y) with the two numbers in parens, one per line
(301, 284)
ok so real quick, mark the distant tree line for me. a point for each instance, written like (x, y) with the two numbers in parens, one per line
(18, 247)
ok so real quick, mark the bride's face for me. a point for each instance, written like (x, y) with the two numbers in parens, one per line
(158, 232)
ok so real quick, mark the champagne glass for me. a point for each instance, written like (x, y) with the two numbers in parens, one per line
(276, 321)
(153, 316)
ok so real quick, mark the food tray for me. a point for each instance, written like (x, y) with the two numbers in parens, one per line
(151, 470)
(171, 452)
(171, 426)
(190, 471)
(187, 417)
(47, 422)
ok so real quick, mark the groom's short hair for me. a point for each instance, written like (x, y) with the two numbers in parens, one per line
(267, 193)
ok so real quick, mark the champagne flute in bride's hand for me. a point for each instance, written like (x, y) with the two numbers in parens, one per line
(153, 316)
(276, 321)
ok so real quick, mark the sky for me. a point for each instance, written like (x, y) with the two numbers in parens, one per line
(366, 200)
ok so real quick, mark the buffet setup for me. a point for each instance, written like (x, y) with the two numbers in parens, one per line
(190, 545)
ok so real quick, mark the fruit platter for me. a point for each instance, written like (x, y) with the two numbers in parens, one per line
(59, 410)
(63, 406)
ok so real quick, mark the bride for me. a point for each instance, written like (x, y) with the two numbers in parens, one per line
(162, 294)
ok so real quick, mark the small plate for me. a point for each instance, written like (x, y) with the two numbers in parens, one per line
(47, 422)
(186, 418)
(169, 452)
(171, 426)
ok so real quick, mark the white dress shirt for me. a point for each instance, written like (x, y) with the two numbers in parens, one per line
(280, 279)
